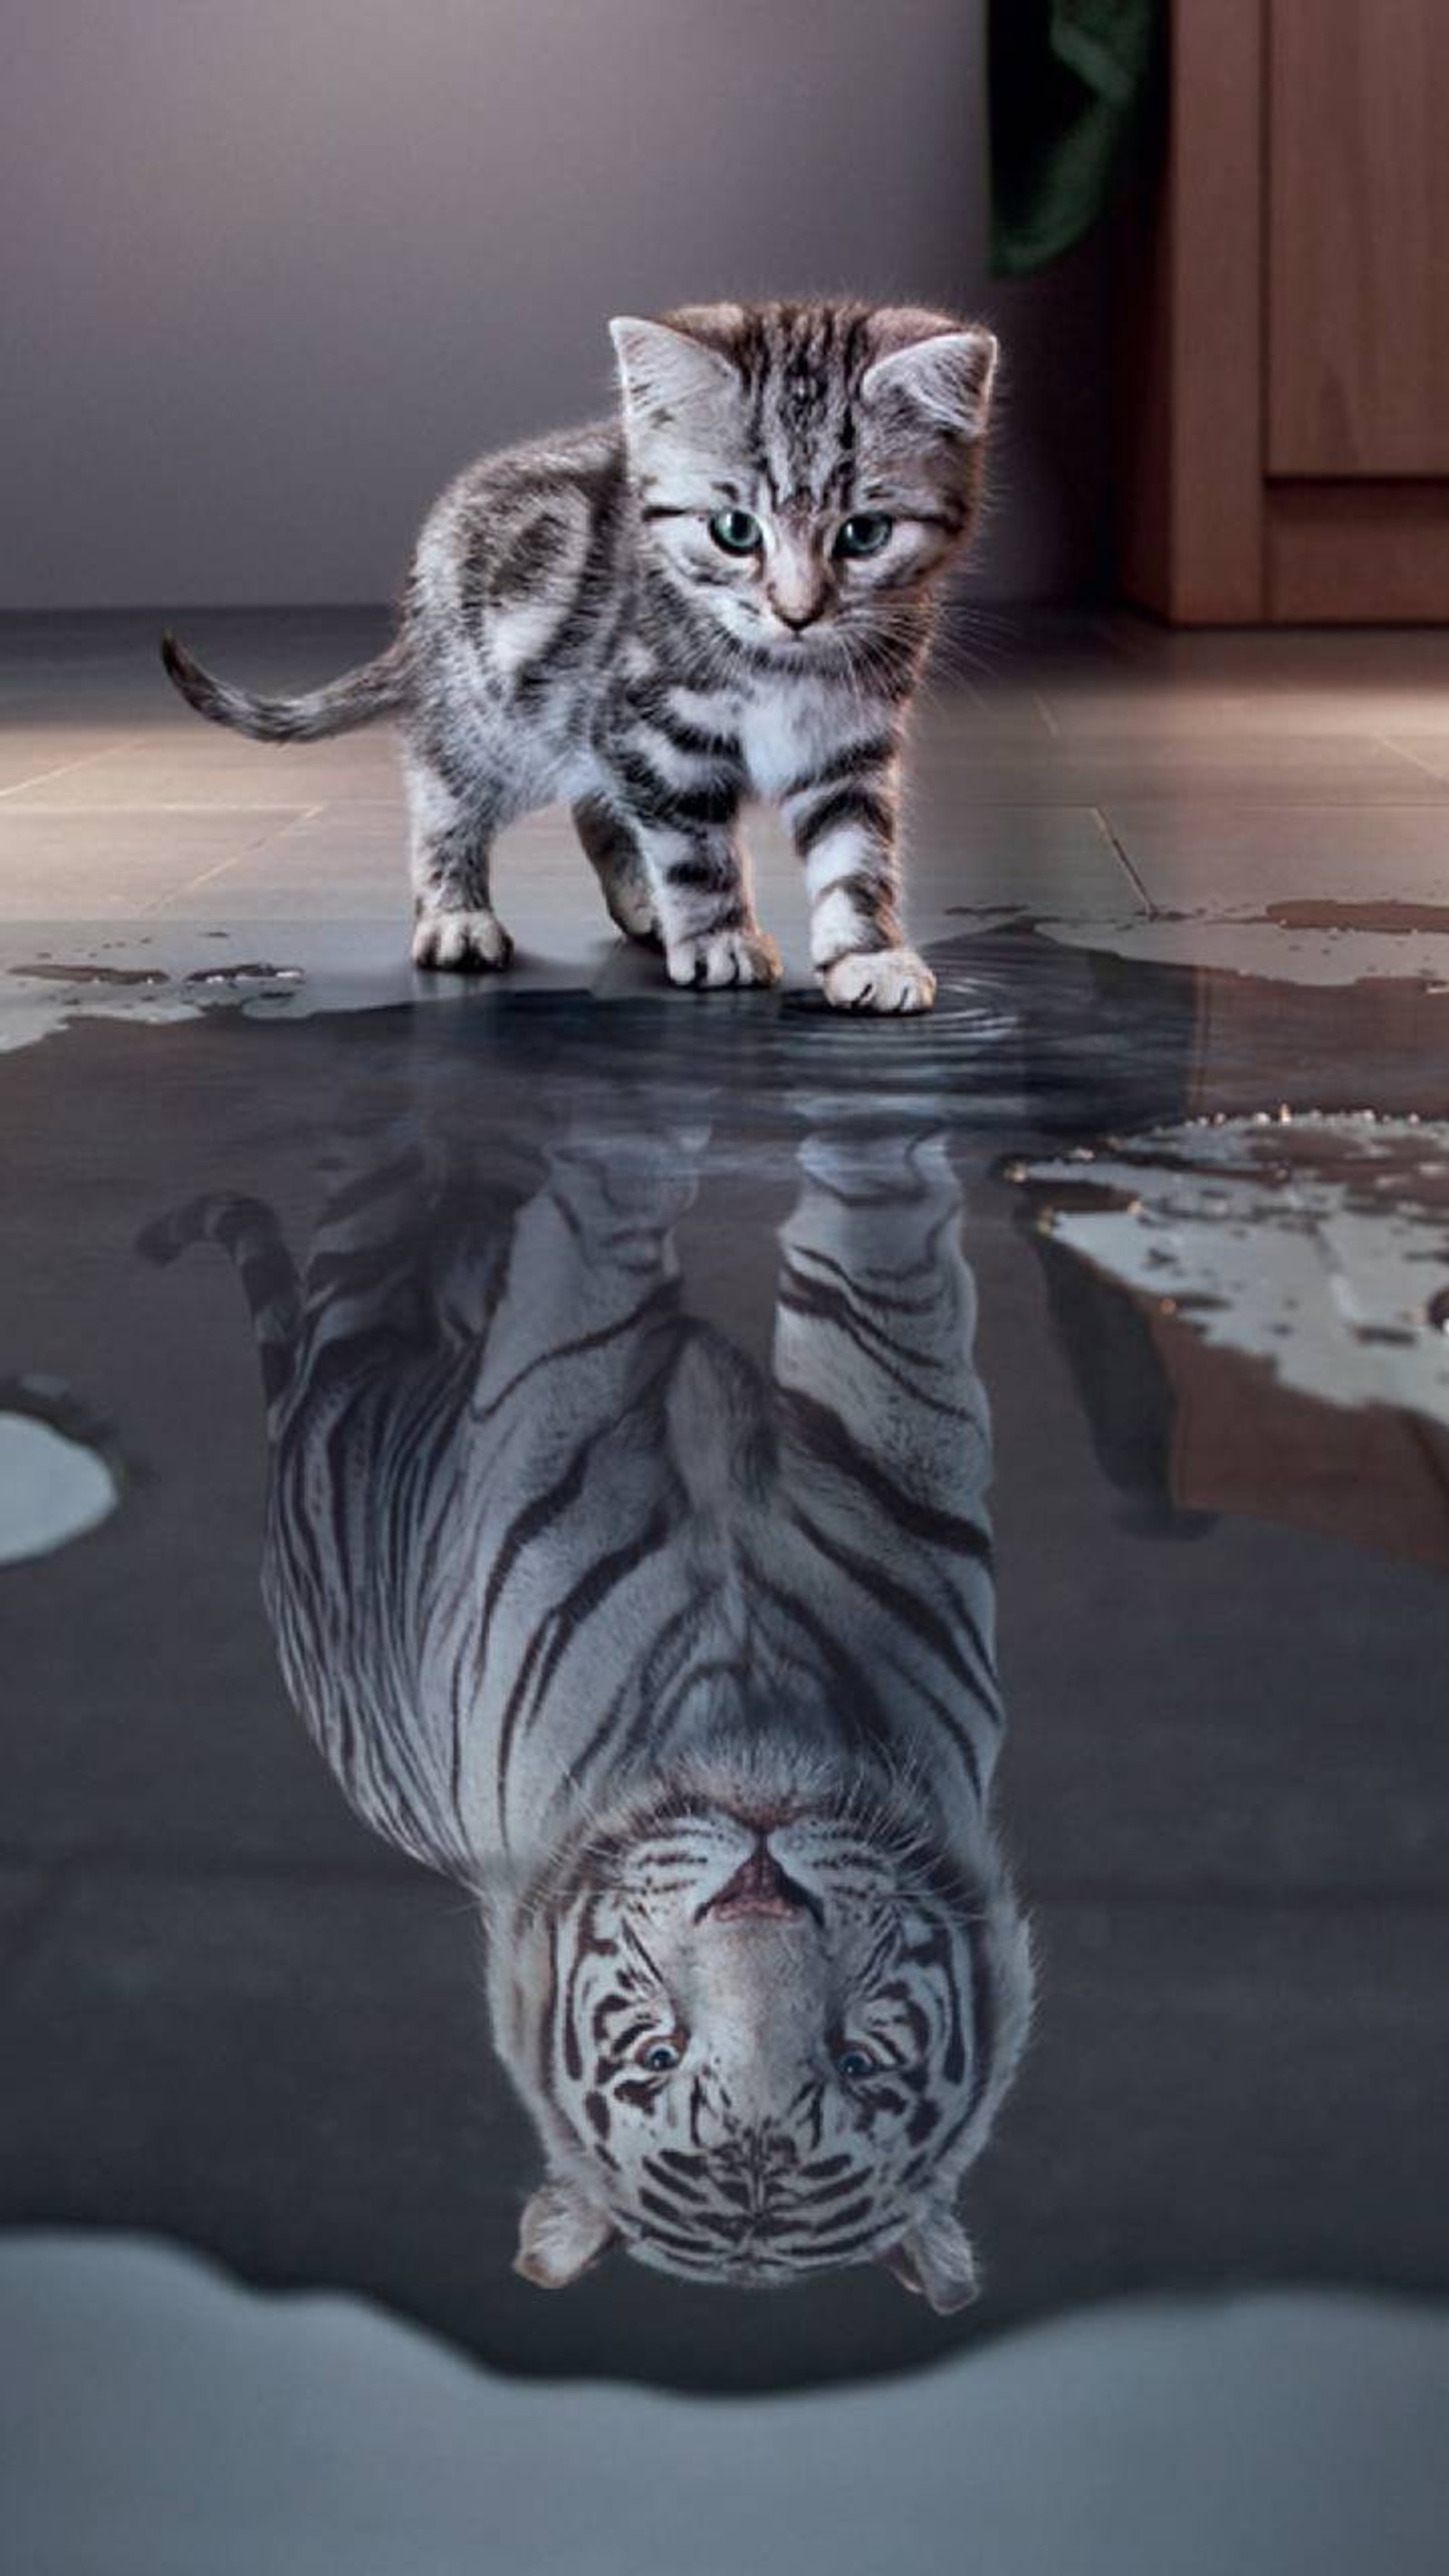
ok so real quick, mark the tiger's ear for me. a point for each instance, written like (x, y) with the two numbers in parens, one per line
(560, 2237)
(660, 368)
(935, 369)
(934, 2259)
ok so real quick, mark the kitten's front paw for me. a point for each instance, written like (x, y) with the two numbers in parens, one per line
(884, 979)
(466, 943)
(724, 957)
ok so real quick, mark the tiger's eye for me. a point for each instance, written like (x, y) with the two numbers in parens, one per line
(864, 534)
(657, 2056)
(736, 532)
(853, 2063)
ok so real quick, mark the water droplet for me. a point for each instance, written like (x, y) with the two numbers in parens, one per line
(92, 974)
(246, 971)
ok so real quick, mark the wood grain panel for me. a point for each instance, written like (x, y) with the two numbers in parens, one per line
(1358, 236)
(1356, 552)
(1192, 535)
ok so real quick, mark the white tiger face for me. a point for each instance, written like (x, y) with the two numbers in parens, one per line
(762, 2046)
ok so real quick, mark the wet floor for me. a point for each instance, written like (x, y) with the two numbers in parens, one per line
(789, 1672)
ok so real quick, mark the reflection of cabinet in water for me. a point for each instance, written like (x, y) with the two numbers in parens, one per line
(1288, 439)
(1243, 1444)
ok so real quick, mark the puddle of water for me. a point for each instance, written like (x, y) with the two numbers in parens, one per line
(56, 1481)
(158, 983)
(1286, 944)
(1393, 919)
(51, 972)
(1179, 2435)
(650, 1387)
(248, 971)
(1301, 1238)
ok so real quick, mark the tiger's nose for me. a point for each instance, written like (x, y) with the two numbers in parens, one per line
(761, 1890)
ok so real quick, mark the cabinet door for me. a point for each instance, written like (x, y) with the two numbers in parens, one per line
(1358, 237)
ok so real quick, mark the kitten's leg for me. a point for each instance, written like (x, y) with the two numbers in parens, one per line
(452, 828)
(844, 822)
(700, 883)
(615, 857)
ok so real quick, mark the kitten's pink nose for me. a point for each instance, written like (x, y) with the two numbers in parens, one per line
(798, 619)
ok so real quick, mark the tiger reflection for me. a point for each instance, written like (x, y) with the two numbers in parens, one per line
(686, 1670)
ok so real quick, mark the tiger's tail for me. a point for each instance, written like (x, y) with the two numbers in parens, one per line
(249, 1233)
(374, 689)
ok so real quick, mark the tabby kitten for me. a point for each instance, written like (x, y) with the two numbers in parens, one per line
(729, 591)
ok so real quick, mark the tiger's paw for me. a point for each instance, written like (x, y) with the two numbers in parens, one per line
(882, 979)
(461, 943)
(721, 957)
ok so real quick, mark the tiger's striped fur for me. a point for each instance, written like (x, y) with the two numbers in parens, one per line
(585, 1610)
(572, 629)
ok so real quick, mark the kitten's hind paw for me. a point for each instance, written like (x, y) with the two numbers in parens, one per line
(463, 943)
(886, 979)
(634, 916)
(719, 957)
(631, 909)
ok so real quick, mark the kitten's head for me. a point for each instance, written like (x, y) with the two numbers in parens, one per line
(805, 472)
(760, 2045)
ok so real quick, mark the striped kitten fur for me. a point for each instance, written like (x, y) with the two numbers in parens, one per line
(726, 592)
(683, 1665)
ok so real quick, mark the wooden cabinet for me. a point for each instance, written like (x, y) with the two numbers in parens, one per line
(1288, 390)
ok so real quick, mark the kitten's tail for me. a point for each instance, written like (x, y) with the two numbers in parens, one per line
(358, 698)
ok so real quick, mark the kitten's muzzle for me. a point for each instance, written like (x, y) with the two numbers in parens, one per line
(796, 623)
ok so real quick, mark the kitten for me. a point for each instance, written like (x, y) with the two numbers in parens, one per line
(729, 591)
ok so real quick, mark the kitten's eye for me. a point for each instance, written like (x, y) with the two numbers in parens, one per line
(657, 2056)
(853, 2063)
(736, 532)
(864, 534)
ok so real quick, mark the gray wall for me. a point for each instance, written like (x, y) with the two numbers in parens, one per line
(278, 268)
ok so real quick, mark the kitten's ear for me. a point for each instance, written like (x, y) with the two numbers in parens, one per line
(934, 2259)
(661, 367)
(936, 369)
(560, 2237)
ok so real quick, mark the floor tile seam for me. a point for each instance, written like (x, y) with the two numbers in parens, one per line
(332, 813)
(193, 885)
(1218, 1896)
(116, 811)
(1213, 807)
(1169, 796)
(1397, 746)
(379, 1866)
(68, 768)
(1115, 844)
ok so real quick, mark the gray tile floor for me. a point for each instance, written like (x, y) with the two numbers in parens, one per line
(1089, 772)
